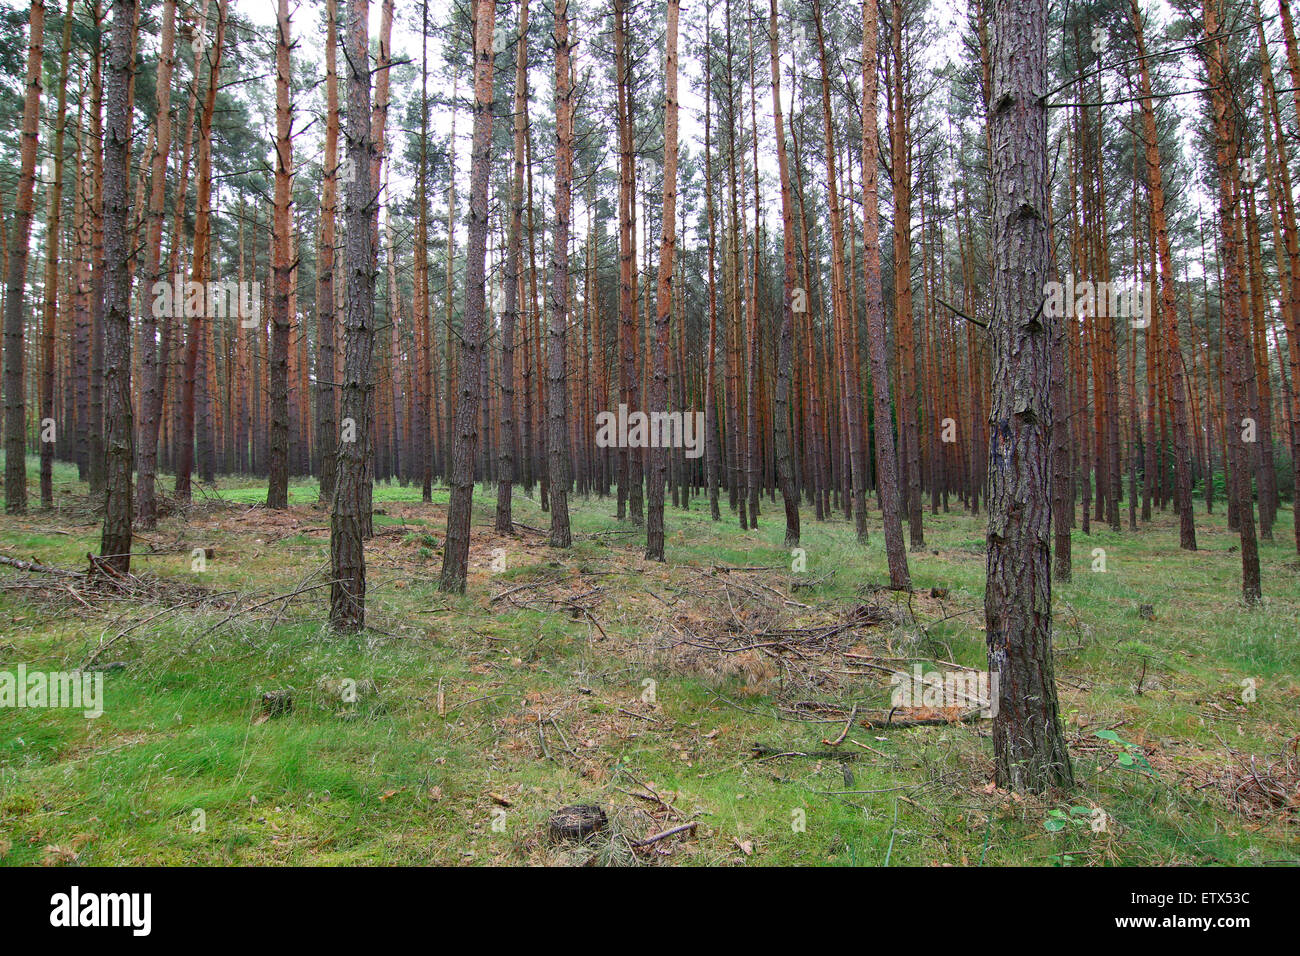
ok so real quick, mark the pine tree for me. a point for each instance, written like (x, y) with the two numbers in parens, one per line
(455, 555)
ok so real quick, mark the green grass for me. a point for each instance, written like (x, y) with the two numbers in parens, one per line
(538, 703)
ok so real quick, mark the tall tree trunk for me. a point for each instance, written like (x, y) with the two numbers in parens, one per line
(812, 387)
(785, 346)
(1292, 50)
(1289, 248)
(886, 456)
(81, 301)
(199, 266)
(732, 295)
(1261, 389)
(1062, 500)
(1235, 342)
(557, 428)
(455, 555)
(753, 386)
(96, 300)
(1168, 300)
(378, 122)
(16, 280)
(115, 543)
(654, 549)
(856, 458)
(326, 402)
(629, 458)
(514, 282)
(901, 166)
(153, 360)
(51, 313)
(347, 536)
(712, 461)
(1029, 748)
(277, 491)
(169, 352)
(426, 416)
(537, 449)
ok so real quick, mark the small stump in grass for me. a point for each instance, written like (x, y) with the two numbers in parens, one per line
(277, 703)
(576, 823)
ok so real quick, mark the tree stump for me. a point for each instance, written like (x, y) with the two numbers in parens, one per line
(277, 703)
(576, 823)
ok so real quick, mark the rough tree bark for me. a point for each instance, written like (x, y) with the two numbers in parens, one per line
(1168, 300)
(115, 542)
(753, 387)
(95, 212)
(51, 312)
(557, 428)
(152, 361)
(909, 426)
(326, 427)
(514, 282)
(199, 265)
(886, 455)
(785, 346)
(1029, 747)
(654, 549)
(347, 535)
(277, 491)
(455, 554)
(629, 388)
(1239, 368)
(16, 280)
(426, 417)
(712, 461)
(378, 124)
(848, 371)
(1288, 251)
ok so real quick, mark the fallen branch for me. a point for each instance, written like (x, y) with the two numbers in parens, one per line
(845, 732)
(814, 582)
(665, 834)
(970, 717)
(764, 752)
(653, 720)
(261, 604)
(40, 568)
(523, 587)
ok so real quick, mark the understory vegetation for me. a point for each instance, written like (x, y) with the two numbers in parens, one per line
(719, 694)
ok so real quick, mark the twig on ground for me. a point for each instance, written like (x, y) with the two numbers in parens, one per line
(665, 834)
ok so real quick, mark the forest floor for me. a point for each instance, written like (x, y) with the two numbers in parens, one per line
(713, 690)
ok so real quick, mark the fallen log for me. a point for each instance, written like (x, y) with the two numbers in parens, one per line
(889, 721)
(36, 566)
(764, 752)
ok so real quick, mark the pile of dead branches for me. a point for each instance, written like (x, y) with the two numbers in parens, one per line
(740, 627)
(1261, 787)
(579, 599)
(101, 581)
